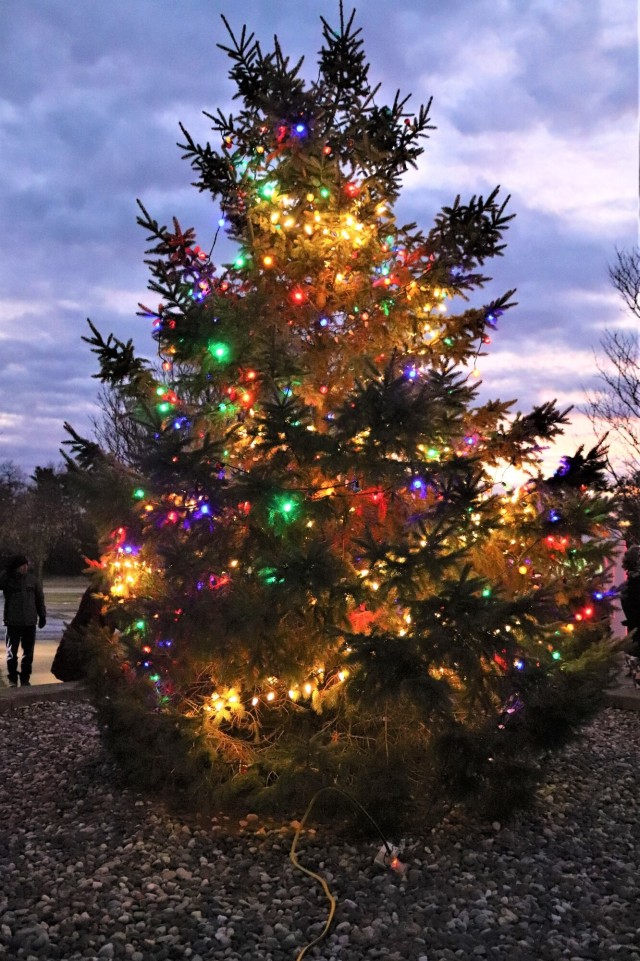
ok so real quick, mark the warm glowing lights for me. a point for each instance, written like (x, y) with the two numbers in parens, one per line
(230, 703)
(125, 571)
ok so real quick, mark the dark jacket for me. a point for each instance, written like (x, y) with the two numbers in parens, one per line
(23, 599)
(71, 658)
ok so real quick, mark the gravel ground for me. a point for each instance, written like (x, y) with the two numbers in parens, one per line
(90, 872)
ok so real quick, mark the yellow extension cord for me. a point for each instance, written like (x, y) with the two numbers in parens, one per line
(317, 877)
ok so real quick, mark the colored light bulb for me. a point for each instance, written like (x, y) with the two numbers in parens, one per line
(220, 351)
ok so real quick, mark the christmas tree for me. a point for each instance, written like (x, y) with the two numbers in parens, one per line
(314, 572)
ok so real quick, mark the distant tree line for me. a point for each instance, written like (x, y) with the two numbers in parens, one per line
(614, 407)
(43, 516)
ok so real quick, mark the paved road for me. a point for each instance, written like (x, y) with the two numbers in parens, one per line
(46, 646)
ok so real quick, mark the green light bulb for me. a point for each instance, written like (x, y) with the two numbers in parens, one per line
(138, 493)
(285, 506)
(219, 351)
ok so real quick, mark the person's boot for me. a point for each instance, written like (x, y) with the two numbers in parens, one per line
(24, 681)
(13, 682)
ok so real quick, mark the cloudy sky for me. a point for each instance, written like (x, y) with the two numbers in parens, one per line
(539, 96)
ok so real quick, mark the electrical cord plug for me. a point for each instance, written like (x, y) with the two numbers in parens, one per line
(387, 857)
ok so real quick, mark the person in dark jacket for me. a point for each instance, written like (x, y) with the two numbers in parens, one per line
(24, 608)
(630, 603)
(70, 661)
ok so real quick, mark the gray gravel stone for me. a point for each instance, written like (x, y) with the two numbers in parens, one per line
(92, 872)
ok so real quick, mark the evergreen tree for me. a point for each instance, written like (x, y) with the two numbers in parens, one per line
(312, 566)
